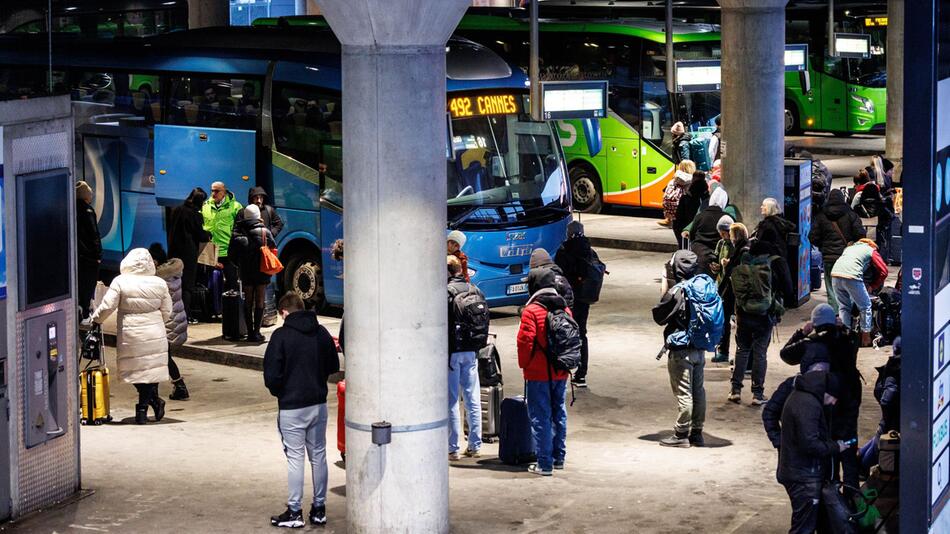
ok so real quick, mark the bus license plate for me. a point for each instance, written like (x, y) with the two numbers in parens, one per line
(515, 289)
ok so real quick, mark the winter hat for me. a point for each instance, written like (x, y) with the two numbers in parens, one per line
(724, 223)
(252, 212)
(83, 191)
(539, 257)
(823, 314)
(719, 197)
(456, 236)
(575, 228)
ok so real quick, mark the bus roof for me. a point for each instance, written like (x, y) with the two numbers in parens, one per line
(643, 28)
(242, 51)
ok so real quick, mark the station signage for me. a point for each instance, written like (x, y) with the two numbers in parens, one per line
(464, 106)
(698, 75)
(875, 22)
(574, 100)
(796, 57)
(852, 45)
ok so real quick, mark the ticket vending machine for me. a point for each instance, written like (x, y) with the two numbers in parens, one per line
(798, 212)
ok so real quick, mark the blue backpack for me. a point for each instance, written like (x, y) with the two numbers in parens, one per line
(705, 314)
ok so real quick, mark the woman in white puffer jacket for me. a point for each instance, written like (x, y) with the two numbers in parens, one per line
(144, 305)
(176, 328)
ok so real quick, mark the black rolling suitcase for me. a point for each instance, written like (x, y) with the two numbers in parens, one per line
(515, 441)
(233, 326)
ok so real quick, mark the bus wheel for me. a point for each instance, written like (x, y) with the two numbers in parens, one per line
(793, 125)
(585, 190)
(304, 276)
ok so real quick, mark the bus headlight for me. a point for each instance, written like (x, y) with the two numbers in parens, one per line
(471, 272)
(864, 104)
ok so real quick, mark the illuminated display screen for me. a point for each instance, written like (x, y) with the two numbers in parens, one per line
(478, 105)
(574, 100)
(796, 57)
(698, 75)
(852, 45)
(875, 22)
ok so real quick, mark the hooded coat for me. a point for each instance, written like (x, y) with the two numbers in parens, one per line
(144, 305)
(774, 230)
(672, 311)
(176, 327)
(681, 147)
(705, 226)
(299, 358)
(533, 336)
(674, 192)
(689, 206)
(250, 236)
(806, 444)
(269, 215)
(826, 237)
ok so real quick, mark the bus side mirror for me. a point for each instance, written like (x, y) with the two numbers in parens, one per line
(804, 79)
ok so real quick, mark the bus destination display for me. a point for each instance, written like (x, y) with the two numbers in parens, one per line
(479, 105)
(852, 45)
(698, 75)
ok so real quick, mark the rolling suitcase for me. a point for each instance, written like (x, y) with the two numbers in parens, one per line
(341, 418)
(515, 441)
(214, 295)
(199, 305)
(233, 326)
(94, 382)
(490, 402)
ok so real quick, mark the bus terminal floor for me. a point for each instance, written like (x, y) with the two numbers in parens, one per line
(215, 463)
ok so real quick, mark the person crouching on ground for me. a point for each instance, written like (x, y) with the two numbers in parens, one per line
(176, 328)
(144, 306)
(684, 336)
(545, 386)
(300, 357)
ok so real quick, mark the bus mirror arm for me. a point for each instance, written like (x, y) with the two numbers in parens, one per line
(804, 79)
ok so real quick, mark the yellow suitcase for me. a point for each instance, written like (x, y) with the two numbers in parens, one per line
(94, 396)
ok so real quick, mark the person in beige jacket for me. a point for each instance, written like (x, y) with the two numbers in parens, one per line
(144, 305)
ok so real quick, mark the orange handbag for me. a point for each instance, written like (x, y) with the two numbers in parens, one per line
(270, 263)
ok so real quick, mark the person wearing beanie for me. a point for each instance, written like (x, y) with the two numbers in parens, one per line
(806, 446)
(88, 247)
(453, 245)
(249, 236)
(725, 249)
(257, 196)
(545, 273)
(576, 258)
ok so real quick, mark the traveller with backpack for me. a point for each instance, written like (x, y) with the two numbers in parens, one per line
(675, 190)
(585, 272)
(849, 279)
(545, 273)
(468, 332)
(691, 312)
(681, 139)
(759, 283)
(549, 349)
(725, 250)
(833, 228)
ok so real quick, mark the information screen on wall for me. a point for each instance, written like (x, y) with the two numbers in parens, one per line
(574, 100)
(796, 57)
(852, 45)
(698, 75)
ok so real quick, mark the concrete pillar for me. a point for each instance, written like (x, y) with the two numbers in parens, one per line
(894, 142)
(394, 225)
(753, 102)
(207, 13)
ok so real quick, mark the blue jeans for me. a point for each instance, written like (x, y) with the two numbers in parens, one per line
(547, 409)
(305, 428)
(463, 371)
(853, 292)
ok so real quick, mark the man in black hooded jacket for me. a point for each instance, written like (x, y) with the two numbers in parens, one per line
(269, 215)
(806, 447)
(832, 229)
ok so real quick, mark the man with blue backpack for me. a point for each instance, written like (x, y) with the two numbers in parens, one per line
(692, 313)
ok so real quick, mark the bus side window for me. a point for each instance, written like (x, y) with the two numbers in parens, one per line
(306, 119)
(215, 102)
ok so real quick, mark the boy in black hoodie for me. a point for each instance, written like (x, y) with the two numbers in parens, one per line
(300, 357)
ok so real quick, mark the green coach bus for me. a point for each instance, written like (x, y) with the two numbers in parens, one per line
(847, 96)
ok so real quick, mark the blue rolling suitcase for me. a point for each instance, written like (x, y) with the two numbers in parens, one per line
(515, 442)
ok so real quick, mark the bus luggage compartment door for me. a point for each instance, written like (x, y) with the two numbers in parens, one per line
(187, 157)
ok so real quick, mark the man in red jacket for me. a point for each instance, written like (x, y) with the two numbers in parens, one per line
(545, 387)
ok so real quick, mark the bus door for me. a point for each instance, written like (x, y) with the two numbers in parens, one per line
(834, 103)
(187, 157)
(656, 167)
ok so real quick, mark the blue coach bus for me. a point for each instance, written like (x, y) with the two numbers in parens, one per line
(158, 116)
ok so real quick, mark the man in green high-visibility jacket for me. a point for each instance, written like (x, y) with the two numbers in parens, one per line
(218, 213)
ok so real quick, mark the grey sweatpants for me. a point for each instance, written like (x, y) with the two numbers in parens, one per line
(300, 429)
(686, 367)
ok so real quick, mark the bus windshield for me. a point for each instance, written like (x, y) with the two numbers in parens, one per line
(506, 169)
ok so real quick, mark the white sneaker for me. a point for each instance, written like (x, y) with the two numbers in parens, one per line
(454, 456)
(535, 469)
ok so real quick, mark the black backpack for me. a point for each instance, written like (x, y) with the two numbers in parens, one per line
(563, 288)
(470, 311)
(592, 281)
(564, 340)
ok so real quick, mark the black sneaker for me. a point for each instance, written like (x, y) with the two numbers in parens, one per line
(579, 382)
(696, 439)
(288, 519)
(318, 515)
